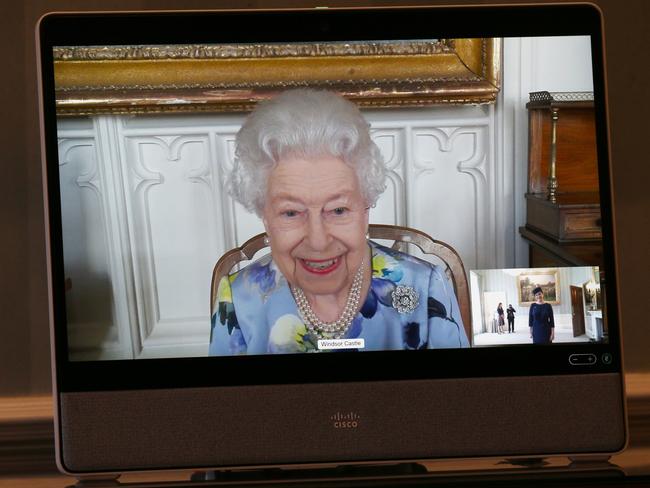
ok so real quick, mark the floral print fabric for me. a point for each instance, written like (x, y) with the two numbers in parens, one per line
(256, 312)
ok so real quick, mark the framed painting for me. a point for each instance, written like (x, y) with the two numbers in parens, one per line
(547, 280)
(591, 291)
(226, 78)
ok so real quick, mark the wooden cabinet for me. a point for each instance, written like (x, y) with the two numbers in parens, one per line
(548, 252)
(563, 220)
(573, 216)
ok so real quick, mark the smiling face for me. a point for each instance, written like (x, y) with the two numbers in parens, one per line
(316, 219)
(539, 297)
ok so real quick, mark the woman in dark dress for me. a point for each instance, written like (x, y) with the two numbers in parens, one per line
(502, 322)
(540, 319)
(510, 312)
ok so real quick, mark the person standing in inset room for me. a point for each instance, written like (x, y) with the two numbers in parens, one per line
(502, 322)
(510, 313)
(540, 319)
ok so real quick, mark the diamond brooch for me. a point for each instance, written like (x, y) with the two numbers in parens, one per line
(405, 298)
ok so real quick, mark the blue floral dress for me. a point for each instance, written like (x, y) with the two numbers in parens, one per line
(257, 314)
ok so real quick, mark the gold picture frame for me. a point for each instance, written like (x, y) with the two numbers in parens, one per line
(227, 78)
(548, 280)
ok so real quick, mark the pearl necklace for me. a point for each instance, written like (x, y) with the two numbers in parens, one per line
(338, 328)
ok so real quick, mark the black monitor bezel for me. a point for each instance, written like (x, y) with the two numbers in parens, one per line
(309, 26)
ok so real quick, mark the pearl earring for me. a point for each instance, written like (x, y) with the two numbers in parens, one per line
(267, 241)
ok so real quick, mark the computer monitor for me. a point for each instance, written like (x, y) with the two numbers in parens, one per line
(215, 300)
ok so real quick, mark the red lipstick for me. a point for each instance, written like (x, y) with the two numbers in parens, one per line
(320, 270)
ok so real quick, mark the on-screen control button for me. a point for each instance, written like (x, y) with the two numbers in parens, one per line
(582, 359)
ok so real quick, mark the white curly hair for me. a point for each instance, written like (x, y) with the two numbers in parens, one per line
(303, 123)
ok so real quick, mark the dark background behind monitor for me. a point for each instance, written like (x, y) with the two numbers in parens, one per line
(24, 334)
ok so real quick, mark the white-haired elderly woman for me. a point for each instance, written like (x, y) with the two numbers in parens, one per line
(306, 165)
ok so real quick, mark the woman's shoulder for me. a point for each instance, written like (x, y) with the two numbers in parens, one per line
(261, 275)
(388, 263)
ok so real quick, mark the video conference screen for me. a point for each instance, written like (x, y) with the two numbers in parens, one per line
(299, 198)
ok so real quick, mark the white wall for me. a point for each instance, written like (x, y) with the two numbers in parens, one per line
(145, 215)
(145, 209)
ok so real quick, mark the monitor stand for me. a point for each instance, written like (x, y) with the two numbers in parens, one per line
(336, 472)
(404, 474)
